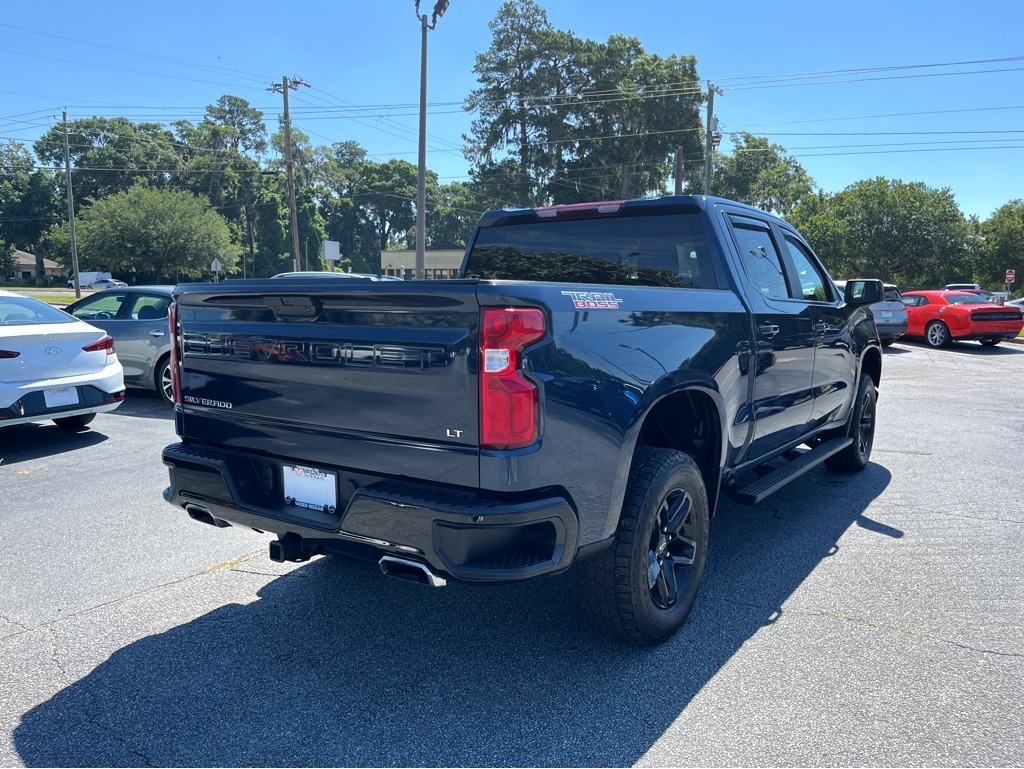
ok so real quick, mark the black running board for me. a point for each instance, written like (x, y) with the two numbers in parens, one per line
(763, 487)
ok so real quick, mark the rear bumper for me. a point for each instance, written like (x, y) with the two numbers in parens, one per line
(457, 533)
(974, 334)
(31, 406)
(890, 329)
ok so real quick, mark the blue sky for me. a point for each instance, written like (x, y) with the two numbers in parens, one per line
(928, 92)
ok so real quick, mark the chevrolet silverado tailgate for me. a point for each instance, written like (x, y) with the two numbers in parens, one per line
(357, 375)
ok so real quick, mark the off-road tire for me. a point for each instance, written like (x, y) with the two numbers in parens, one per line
(642, 588)
(861, 428)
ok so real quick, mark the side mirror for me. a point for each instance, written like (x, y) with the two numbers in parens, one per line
(858, 292)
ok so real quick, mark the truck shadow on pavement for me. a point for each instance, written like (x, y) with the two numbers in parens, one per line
(336, 665)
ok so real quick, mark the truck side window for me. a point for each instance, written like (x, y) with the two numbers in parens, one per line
(761, 259)
(813, 284)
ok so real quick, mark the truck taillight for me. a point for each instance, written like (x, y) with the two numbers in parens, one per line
(106, 343)
(172, 319)
(509, 404)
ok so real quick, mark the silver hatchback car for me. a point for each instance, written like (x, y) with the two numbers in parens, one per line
(136, 318)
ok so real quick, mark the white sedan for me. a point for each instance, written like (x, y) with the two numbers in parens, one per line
(53, 366)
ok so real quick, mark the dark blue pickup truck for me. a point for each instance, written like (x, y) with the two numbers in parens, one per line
(581, 396)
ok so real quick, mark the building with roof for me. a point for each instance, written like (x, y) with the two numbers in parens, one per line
(438, 265)
(25, 267)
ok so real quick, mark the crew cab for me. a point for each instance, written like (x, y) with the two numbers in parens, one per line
(580, 397)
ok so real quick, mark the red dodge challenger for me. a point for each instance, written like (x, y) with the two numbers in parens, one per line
(942, 317)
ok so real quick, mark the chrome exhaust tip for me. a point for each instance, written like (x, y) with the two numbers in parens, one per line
(411, 570)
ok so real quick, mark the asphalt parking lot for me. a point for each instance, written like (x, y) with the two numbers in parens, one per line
(874, 619)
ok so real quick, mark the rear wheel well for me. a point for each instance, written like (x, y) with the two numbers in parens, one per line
(688, 421)
(872, 366)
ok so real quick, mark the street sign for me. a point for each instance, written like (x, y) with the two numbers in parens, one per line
(1010, 275)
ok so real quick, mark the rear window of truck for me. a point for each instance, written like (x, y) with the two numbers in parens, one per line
(668, 250)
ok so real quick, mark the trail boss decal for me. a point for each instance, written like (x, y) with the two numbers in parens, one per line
(593, 300)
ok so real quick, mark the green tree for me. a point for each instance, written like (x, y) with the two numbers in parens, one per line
(248, 133)
(1002, 245)
(760, 174)
(7, 263)
(452, 214)
(273, 250)
(563, 120)
(28, 198)
(620, 136)
(386, 195)
(344, 222)
(906, 233)
(152, 235)
(110, 155)
(513, 76)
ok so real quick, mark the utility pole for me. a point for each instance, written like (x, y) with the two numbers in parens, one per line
(678, 173)
(421, 181)
(711, 130)
(71, 208)
(283, 88)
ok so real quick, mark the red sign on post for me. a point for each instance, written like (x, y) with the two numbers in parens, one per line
(1010, 275)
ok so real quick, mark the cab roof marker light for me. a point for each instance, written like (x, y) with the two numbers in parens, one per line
(579, 210)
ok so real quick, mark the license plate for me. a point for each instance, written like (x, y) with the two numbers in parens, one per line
(310, 487)
(60, 396)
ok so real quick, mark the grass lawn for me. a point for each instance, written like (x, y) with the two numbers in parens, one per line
(63, 299)
(50, 296)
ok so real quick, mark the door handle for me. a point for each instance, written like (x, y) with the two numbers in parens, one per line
(156, 332)
(768, 329)
(820, 328)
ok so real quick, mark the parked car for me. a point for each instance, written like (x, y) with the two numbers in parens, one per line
(108, 283)
(942, 317)
(890, 314)
(1015, 303)
(53, 366)
(87, 279)
(136, 317)
(313, 274)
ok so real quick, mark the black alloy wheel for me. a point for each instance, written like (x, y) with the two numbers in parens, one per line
(856, 456)
(672, 548)
(642, 587)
